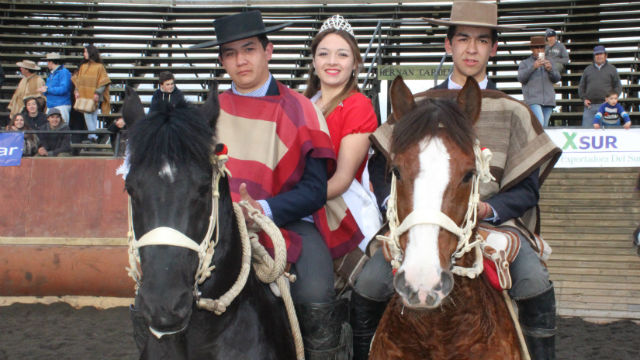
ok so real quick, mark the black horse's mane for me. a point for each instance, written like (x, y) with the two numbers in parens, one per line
(427, 118)
(176, 135)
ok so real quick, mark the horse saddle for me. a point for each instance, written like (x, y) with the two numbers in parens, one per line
(500, 247)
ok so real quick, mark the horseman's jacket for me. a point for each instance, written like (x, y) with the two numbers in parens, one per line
(279, 146)
(523, 156)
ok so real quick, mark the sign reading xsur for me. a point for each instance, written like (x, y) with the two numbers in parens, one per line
(597, 148)
(412, 72)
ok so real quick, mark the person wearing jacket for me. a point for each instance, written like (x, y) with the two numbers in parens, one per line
(537, 75)
(27, 87)
(167, 94)
(55, 144)
(58, 86)
(598, 80)
(555, 51)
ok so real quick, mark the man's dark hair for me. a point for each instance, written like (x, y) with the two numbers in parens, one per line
(264, 41)
(164, 76)
(452, 31)
(55, 61)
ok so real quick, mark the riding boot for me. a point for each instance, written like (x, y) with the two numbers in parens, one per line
(364, 316)
(325, 330)
(538, 321)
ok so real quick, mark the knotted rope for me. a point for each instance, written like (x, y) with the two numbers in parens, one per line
(463, 232)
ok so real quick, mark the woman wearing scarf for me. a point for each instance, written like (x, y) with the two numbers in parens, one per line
(92, 88)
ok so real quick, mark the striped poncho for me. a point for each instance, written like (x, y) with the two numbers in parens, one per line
(268, 139)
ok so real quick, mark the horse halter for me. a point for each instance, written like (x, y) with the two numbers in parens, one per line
(463, 232)
(168, 236)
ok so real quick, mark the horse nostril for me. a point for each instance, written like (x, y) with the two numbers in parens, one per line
(446, 282)
(432, 299)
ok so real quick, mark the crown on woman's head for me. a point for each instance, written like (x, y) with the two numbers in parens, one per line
(337, 22)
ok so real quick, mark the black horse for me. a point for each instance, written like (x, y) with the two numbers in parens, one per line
(170, 185)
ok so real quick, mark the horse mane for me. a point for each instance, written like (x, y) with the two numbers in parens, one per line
(176, 135)
(427, 118)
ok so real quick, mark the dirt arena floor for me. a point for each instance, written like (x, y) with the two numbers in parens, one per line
(58, 332)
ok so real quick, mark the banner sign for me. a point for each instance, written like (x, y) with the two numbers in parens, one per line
(582, 148)
(11, 148)
(412, 72)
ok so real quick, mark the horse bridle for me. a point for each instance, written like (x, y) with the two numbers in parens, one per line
(171, 237)
(463, 232)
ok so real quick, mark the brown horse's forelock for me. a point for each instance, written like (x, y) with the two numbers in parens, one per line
(429, 117)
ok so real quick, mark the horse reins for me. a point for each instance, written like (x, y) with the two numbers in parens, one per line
(463, 232)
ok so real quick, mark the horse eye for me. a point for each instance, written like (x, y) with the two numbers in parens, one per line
(468, 176)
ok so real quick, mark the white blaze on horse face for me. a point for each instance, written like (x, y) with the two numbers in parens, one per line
(422, 263)
(167, 172)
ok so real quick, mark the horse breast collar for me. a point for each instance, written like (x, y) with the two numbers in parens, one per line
(463, 232)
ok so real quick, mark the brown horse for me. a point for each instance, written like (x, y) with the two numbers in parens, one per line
(436, 313)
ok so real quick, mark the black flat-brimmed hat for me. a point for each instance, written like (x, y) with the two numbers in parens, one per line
(239, 26)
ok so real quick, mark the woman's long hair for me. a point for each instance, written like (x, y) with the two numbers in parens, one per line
(94, 54)
(313, 83)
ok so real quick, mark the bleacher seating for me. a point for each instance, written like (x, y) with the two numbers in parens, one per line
(138, 40)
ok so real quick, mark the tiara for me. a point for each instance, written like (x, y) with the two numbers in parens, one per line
(337, 22)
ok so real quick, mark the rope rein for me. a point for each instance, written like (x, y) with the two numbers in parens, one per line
(268, 270)
(463, 232)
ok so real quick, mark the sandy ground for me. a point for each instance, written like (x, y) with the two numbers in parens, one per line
(58, 331)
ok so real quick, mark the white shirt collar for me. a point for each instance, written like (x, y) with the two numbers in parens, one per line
(454, 86)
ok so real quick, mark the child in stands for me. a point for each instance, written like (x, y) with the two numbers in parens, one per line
(610, 112)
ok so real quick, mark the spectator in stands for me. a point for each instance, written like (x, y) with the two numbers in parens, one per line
(261, 116)
(92, 89)
(30, 140)
(537, 75)
(32, 114)
(55, 144)
(167, 94)
(333, 87)
(27, 87)
(118, 135)
(598, 80)
(58, 86)
(3, 119)
(555, 51)
(610, 113)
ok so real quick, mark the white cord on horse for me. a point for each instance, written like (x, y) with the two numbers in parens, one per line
(267, 269)
(463, 232)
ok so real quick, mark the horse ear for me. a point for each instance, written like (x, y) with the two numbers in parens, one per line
(132, 109)
(401, 98)
(470, 99)
(211, 108)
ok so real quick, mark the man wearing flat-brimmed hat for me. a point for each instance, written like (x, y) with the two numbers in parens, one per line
(58, 86)
(537, 75)
(598, 80)
(280, 153)
(510, 130)
(27, 87)
(555, 51)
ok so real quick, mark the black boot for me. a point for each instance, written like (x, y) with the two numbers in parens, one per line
(538, 320)
(325, 330)
(364, 316)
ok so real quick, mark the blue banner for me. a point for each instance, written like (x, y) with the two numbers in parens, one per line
(11, 148)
